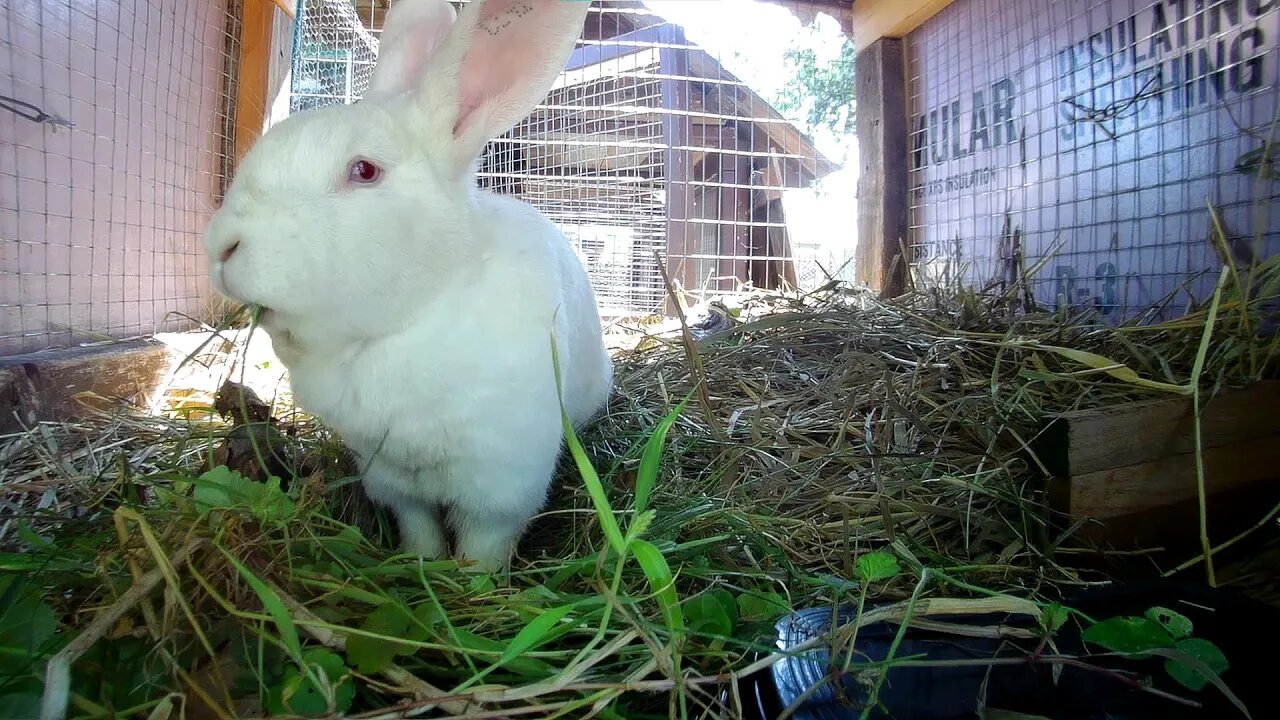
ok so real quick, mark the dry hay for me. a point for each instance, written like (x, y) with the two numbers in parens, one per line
(818, 428)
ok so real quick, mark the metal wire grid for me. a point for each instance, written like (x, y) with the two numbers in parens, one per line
(647, 145)
(335, 48)
(591, 158)
(100, 222)
(1119, 123)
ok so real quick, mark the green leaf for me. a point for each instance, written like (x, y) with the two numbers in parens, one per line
(1208, 654)
(299, 694)
(24, 704)
(273, 605)
(391, 620)
(651, 458)
(1128, 635)
(224, 489)
(481, 584)
(661, 581)
(1177, 625)
(705, 613)
(728, 602)
(1053, 617)
(21, 698)
(429, 614)
(26, 620)
(756, 606)
(877, 567)
(29, 536)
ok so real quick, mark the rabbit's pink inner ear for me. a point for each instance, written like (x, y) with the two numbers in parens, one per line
(515, 52)
(414, 30)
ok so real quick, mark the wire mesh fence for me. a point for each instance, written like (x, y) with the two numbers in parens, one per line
(647, 149)
(113, 140)
(1081, 144)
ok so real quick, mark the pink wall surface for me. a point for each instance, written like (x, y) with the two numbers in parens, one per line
(100, 224)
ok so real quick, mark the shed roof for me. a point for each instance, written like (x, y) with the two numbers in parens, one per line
(718, 93)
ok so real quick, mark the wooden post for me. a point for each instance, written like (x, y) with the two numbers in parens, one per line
(256, 30)
(883, 185)
(674, 67)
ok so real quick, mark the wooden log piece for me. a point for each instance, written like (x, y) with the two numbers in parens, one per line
(1118, 492)
(1086, 441)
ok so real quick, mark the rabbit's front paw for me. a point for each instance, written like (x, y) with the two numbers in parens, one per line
(486, 541)
(421, 532)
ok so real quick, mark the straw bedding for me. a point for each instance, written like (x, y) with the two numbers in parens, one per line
(817, 429)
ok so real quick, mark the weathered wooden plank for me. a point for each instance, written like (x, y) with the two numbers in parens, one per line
(1086, 441)
(876, 19)
(51, 386)
(1117, 492)
(883, 150)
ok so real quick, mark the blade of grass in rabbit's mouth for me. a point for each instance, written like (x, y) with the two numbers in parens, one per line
(258, 313)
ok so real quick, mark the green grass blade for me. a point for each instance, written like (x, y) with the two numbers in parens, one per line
(1208, 673)
(595, 488)
(651, 458)
(1197, 370)
(535, 632)
(658, 572)
(274, 607)
(1117, 370)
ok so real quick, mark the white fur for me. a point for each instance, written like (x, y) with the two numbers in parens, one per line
(415, 317)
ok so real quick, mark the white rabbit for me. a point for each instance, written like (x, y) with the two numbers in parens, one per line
(413, 311)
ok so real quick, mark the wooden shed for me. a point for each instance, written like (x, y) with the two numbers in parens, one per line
(646, 144)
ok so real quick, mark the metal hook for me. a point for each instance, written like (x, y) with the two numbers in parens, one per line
(31, 112)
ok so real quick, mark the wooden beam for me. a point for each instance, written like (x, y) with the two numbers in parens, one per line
(1123, 464)
(64, 385)
(1086, 441)
(876, 19)
(252, 102)
(1122, 491)
(883, 184)
(623, 45)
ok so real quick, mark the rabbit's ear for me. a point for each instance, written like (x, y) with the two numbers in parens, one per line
(414, 30)
(501, 59)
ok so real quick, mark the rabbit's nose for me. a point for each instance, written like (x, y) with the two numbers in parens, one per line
(229, 250)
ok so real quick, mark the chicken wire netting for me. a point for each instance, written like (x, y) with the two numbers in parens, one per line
(114, 139)
(648, 149)
(1080, 148)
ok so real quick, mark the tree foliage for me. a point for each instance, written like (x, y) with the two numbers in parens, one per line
(822, 90)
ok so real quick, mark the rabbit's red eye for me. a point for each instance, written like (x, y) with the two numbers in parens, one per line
(364, 172)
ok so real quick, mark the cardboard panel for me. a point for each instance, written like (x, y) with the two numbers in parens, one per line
(1096, 134)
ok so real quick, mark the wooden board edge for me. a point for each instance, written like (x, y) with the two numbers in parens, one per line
(1117, 492)
(52, 386)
